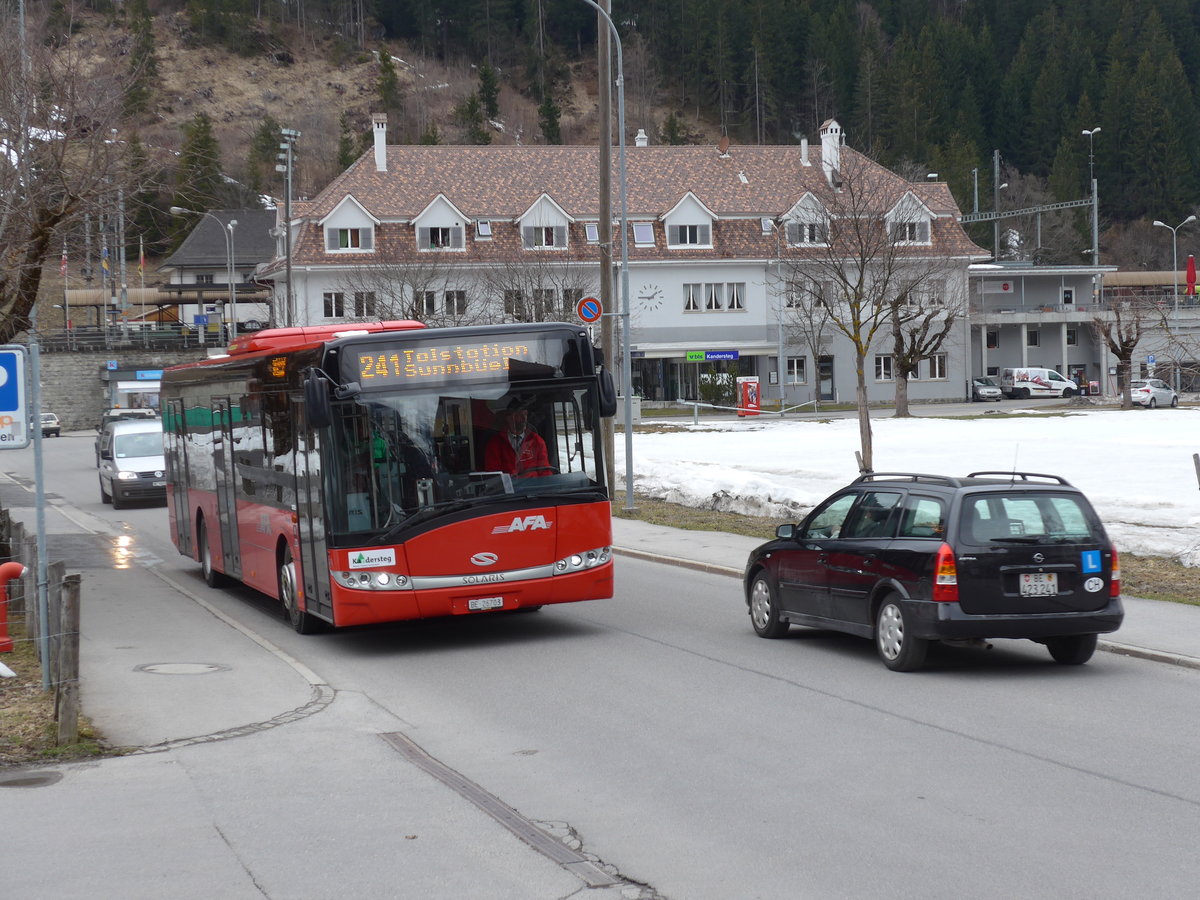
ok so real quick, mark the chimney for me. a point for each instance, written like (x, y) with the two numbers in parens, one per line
(379, 124)
(640, 139)
(804, 160)
(831, 151)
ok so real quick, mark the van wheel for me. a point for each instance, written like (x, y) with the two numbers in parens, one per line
(898, 648)
(1068, 393)
(105, 496)
(1023, 394)
(1073, 649)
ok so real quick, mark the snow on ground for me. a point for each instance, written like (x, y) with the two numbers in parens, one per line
(1135, 465)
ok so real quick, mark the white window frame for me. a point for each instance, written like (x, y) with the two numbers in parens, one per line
(884, 367)
(451, 234)
(427, 300)
(691, 297)
(689, 236)
(804, 233)
(333, 304)
(735, 296)
(937, 367)
(796, 369)
(364, 304)
(455, 301)
(1033, 338)
(544, 237)
(483, 230)
(591, 232)
(911, 232)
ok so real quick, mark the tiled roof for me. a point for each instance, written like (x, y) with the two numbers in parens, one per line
(500, 183)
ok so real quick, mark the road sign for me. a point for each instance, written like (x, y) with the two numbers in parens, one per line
(14, 416)
(589, 310)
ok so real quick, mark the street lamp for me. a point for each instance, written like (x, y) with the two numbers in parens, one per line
(1175, 271)
(1090, 134)
(227, 233)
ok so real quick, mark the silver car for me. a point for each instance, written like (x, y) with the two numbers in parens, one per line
(984, 387)
(1152, 392)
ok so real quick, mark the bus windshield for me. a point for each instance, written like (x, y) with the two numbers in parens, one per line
(395, 460)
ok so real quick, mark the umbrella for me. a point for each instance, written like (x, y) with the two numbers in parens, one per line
(1191, 275)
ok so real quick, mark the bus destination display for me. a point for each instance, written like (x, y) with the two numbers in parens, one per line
(460, 360)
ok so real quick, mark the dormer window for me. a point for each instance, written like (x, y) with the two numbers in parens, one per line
(911, 232)
(591, 231)
(483, 230)
(544, 237)
(801, 233)
(349, 239)
(689, 236)
(440, 238)
(643, 234)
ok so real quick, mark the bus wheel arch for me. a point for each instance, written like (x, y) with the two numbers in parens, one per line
(289, 591)
(212, 577)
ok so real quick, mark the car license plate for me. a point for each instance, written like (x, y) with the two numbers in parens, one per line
(160, 484)
(485, 603)
(1039, 584)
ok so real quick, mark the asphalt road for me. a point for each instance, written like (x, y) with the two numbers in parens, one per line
(708, 763)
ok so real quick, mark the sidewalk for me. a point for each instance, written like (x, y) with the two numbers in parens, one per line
(219, 801)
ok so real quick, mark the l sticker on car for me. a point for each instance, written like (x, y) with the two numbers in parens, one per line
(1090, 561)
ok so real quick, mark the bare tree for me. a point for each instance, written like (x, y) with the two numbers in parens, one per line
(541, 286)
(923, 318)
(59, 160)
(1122, 327)
(431, 290)
(867, 252)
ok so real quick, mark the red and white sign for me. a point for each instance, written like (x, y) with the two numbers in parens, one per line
(997, 287)
(589, 310)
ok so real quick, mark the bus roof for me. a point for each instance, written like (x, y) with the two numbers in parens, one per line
(293, 338)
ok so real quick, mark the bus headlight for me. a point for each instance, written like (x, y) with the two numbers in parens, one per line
(588, 559)
(371, 581)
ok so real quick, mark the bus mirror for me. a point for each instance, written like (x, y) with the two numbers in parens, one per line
(607, 393)
(316, 401)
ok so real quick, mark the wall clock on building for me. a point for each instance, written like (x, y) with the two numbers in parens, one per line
(651, 296)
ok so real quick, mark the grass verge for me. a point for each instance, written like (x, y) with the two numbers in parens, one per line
(1152, 577)
(28, 731)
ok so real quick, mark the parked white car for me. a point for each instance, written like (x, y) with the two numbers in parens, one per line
(1152, 392)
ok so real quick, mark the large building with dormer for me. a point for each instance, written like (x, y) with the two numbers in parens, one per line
(464, 234)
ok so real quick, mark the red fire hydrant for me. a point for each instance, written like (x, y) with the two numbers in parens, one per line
(8, 571)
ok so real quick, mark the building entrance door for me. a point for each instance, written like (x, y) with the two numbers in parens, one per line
(825, 378)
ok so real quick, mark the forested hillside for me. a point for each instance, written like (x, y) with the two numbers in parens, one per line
(926, 86)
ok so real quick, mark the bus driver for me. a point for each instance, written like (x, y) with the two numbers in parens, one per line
(517, 449)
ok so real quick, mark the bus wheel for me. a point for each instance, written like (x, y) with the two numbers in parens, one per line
(212, 577)
(301, 621)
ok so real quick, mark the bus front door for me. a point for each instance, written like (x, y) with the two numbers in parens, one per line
(310, 508)
(224, 464)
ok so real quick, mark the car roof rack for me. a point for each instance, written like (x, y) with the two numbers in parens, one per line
(1021, 476)
(916, 477)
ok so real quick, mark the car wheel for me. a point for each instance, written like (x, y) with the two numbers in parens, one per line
(301, 621)
(1151, 403)
(212, 577)
(764, 609)
(1072, 650)
(1068, 393)
(1174, 402)
(899, 650)
(105, 496)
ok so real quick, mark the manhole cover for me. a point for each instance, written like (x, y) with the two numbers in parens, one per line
(30, 779)
(181, 668)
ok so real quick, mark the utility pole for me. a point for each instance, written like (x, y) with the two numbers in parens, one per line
(607, 297)
(287, 165)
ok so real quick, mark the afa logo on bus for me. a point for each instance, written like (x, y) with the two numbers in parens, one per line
(524, 523)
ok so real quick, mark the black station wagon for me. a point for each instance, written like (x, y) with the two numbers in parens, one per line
(908, 559)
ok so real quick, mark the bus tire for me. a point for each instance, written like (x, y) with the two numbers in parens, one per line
(301, 621)
(212, 577)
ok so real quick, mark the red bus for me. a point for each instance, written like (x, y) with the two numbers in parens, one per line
(358, 474)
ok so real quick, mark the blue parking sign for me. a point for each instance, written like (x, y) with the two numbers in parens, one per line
(14, 418)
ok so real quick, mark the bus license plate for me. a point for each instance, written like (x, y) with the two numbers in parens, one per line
(485, 603)
(1039, 584)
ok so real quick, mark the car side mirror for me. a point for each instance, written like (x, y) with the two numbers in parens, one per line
(786, 532)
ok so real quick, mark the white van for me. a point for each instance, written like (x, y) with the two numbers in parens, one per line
(131, 462)
(1020, 384)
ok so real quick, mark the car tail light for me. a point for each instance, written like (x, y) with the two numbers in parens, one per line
(945, 576)
(1114, 580)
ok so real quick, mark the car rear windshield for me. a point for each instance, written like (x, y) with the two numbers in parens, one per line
(1017, 517)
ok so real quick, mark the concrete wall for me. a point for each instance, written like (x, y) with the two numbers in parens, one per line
(73, 386)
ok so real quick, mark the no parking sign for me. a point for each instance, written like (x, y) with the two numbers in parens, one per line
(589, 310)
(14, 417)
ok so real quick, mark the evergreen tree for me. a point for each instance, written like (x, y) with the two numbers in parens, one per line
(260, 158)
(351, 143)
(198, 180)
(391, 97)
(143, 66)
(489, 91)
(673, 132)
(548, 114)
(431, 135)
(469, 114)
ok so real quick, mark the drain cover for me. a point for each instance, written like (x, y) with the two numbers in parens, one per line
(30, 779)
(181, 668)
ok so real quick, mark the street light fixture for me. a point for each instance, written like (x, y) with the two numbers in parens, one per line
(1090, 134)
(227, 233)
(1175, 270)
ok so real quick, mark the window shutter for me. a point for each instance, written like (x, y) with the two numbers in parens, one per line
(331, 239)
(456, 238)
(923, 230)
(528, 237)
(422, 238)
(793, 232)
(367, 236)
(560, 235)
(705, 234)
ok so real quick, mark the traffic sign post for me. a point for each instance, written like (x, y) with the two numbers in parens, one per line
(14, 412)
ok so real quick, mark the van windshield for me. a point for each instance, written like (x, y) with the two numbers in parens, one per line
(147, 443)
